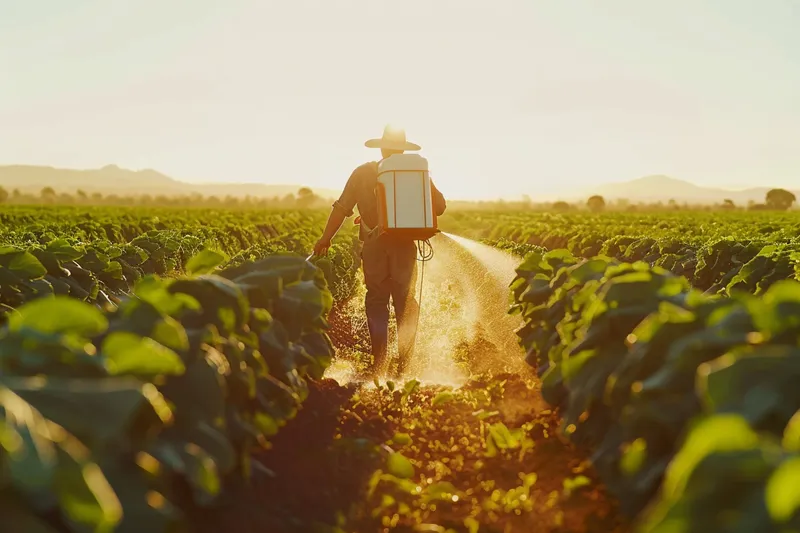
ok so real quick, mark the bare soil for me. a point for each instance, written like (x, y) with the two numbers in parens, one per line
(329, 466)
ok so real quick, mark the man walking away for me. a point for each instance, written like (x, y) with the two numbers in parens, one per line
(390, 263)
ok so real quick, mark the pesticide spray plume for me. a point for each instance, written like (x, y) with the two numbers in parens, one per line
(464, 325)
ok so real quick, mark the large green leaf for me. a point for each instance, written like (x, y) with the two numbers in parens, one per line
(721, 433)
(43, 455)
(222, 301)
(156, 292)
(783, 498)
(144, 319)
(758, 383)
(205, 262)
(30, 352)
(778, 312)
(302, 304)
(22, 263)
(128, 353)
(199, 394)
(290, 268)
(64, 250)
(261, 287)
(83, 491)
(31, 453)
(59, 314)
(100, 412)
(145, 505)
(399, 466)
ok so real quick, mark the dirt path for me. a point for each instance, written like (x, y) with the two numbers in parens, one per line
(464, 326)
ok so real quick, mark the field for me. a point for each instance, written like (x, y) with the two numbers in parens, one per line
(188, 370)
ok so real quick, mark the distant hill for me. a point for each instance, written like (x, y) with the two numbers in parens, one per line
(112, 179)
(664, 188)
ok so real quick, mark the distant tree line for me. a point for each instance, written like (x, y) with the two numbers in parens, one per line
(304, 198)
(775, 200)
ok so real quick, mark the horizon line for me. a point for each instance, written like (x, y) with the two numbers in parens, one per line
(554, 196)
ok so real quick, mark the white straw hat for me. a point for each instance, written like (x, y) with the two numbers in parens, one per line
(393, 139)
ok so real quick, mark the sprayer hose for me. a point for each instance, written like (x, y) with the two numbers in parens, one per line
(425, 253)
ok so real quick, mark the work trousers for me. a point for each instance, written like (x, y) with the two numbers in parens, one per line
(390, 271)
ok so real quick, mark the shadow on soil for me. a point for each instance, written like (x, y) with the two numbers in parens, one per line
(305, 482)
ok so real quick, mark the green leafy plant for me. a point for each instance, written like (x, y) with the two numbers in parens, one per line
(633, 357)
(106, 414)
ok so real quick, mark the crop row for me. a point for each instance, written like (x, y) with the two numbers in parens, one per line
(127, 419)
(688, 400)
(231, 230)
(723, 254)
(95, 262)
(554, 231)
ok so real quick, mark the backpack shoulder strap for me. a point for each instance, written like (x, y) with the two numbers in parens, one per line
(372, 177)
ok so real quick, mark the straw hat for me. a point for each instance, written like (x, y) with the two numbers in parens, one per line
(393, 139)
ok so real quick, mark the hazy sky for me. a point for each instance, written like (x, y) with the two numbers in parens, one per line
(505, 96)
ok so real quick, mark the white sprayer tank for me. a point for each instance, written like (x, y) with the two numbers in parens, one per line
(405, 199)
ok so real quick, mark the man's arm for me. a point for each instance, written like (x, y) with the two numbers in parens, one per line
(342, 208)
(335, 221)
(439, 204)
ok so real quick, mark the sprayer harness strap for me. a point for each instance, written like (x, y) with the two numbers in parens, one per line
(365, 230)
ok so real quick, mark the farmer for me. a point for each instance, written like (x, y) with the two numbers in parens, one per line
(390, 263)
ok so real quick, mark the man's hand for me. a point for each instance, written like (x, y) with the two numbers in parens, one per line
(335, 220)
(321, 248)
